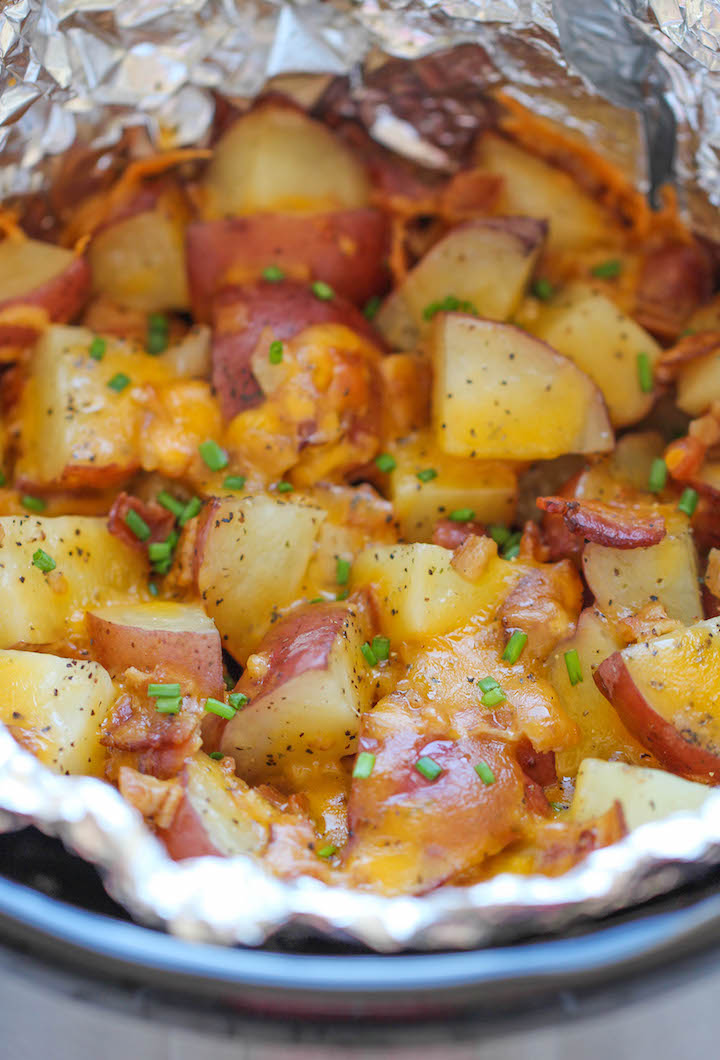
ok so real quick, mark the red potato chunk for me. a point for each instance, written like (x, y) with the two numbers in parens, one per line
(39, 282)
(179, 640)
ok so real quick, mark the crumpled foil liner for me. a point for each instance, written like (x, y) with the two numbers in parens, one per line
(642, 80)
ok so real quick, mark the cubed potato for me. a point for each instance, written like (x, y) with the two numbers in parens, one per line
(277, 159)
(178, 639)
(584, 325)
(602, 734)
(251, 557)
(624, 581)
(54, 707)
(38, 278)
(533, 188)
(307, 703)
(418, 594)
(644, 794)
(698, 384)
(92, 567)
(488, 489)
(77, 431)
(501, 394)
(465, 265)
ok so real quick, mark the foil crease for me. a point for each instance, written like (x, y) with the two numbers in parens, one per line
(640, 79)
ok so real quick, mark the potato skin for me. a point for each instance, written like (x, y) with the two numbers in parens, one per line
(62, 297)
(345, 249)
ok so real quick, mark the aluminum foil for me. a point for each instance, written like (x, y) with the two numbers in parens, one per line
(642, 80)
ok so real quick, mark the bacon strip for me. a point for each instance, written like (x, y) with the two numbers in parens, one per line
(157, 518)
(606, 525)
(451, 535)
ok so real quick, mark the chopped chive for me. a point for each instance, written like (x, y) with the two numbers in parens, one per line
(485, 773)
(171, 503)
(364, 765)
(687, 331)
(558, 806)
(238, 700)
(34, 504)
(216, 706)
(607, 270)
(342, 571)
(153, 589)
(427, 474)
(499, 534)
(371, 307)
(97, 348)
(381, 648)
(162, 566)
(322, 290)
(462, 515)
(342, 595)
(135, 522)
(172, 539)
(168, 705)
(658, 475)
(317, 600)
(275, 353)
(688, 501)
(487, 683)
(215, 457)
(284, 487)
(190, 510)
(449, 304)
(493, 697)
(119, 381)
(368, 654)
(228, 681)
(574, 670)
(428, 767)
(3, 478)
(645, 373)
(543, 289)
(327, 851)
(385, 462)
(273, 273)
(158, 332)
(164, 690)
(43, 562)
(511, 548)
(234, 482)
(515, 646)
(158, 551)
(216, 755)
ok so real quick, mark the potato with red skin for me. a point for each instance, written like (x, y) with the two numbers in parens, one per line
(177, 639)
(272, 311)
(345, 249)
(665, 690)
(48, 279)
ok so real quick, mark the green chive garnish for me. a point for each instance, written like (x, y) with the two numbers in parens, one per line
(238, 700)
(688, 501)
(190, 510)
(371, 307)
(658, 475)
(275, 353)
(381, 648)
(514, 647)
(607, 270)
(43, 562)
(499, 534)
(493, 697)
(3, 478)
(342, 595)
(216, 755)
(487, 683)
(137, 525)
(322, 290)
(385, 462)
(168, 705)
(485, 773)
(215, 457)
(164, 691)
(543, 289)
(234, 482)
(364, 765)
(427, 474)
(34, 504)
(511, 548)
(159, 551)
(97, 348)
(368, 654)
(284, 487)
(317, 600)
(327, 851)
(645, 373)
(428, 767)
(158, 332)
(273, 273)
(119, 381)
(228, 681)
(449, 304)
(216, 706)
(172, 504)
(342, 571)
(462, 515)
(574, 670)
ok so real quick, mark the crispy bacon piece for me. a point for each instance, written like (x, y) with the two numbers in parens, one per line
(560, 845)
(686, 349)
(674, 280)
(545, 604)
(532, 545)
(157, 518)
(605, 524)
(650, 621)
(472, 557)
(157, 800)
(451, 535)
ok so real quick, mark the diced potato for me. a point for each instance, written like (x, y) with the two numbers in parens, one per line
(489, 489)
(625, 581)
(465, 265)
(92, 567)
(602, 734)
(251, 557)
(533, 188)
(698, 384)
(418, 594)
(54, 707)
(78, 431)
(604, 342)
(275, 158)
(644, 794)
(501, 394)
